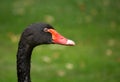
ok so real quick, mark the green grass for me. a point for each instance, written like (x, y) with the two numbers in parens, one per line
(93, 25)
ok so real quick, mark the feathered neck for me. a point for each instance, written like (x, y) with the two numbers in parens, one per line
(23, 61)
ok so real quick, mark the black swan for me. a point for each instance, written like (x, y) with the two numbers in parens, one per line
(35, 34)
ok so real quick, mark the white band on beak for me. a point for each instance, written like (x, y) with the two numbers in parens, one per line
(70, 42)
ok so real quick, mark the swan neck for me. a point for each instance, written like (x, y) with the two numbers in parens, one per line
(23, 62)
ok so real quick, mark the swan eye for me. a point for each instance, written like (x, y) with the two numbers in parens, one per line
(45, 30)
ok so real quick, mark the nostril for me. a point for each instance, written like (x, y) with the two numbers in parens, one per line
(61, 38)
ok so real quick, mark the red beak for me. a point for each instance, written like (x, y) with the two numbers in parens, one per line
(59, 39)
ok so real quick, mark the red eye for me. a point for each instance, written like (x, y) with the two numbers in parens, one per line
(45, 30)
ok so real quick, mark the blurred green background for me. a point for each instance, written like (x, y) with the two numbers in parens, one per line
(93, 24)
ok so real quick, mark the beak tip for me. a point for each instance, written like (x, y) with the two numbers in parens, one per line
(70, 43)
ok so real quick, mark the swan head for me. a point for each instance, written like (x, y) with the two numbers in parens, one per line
(42, 33)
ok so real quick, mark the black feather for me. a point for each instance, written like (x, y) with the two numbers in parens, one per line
(32, 36)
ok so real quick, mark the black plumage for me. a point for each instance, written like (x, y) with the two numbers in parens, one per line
(32, 36)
